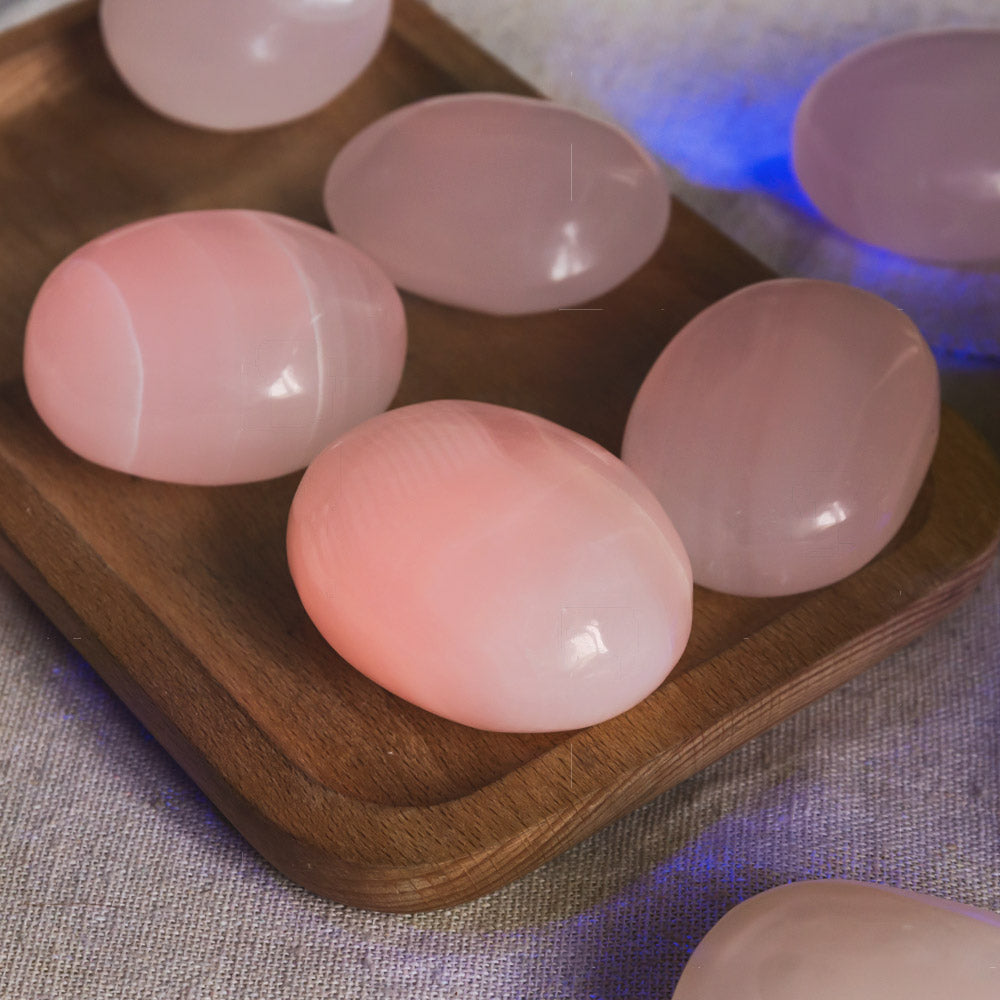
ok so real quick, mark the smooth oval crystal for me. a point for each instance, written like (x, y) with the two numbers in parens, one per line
(839, 940)
(212, 347)
(241, 64)
(490, 566)
(899, 144)
(497, 203)
(787, 430)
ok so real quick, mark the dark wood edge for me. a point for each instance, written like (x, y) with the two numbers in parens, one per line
(609, 783)
(614, 784)
(39, 29)
(446, 47)
(412, 21)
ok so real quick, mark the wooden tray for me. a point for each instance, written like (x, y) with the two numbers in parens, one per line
(181, 599)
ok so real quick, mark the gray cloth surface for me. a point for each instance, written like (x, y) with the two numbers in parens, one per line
(119, 880)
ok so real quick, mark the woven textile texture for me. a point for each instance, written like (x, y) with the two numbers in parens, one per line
(119, 880)
(712, 87)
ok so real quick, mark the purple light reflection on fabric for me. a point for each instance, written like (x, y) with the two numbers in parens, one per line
(735, 136)
(86, 700)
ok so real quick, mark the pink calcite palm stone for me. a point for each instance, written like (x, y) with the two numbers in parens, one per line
(837, 940)
(497, 203)
(490, 566)
(239, 64)
(899, 144)
(212, 347)
(786, 430)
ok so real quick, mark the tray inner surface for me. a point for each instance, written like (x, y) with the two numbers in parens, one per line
(181, 596)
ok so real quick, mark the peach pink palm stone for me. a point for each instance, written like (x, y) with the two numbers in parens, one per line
(838, 940)
(239, 64)
(497, 203)
(490, 566)
(787, 430)
(212, 347)
(899, 144)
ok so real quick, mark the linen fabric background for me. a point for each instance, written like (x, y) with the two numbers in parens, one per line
(119, 880)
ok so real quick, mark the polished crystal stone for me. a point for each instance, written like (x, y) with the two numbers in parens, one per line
(497, 203)
(212, 347)
(240, 64)
(837, 940)
(490, 566)
(899, 144)
(786, 430)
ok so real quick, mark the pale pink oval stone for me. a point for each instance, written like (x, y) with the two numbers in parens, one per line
(490, 566)
(212, 347)
(899, 144)
(498, 203)
(838, 940)
(786, 430)
(240, 64)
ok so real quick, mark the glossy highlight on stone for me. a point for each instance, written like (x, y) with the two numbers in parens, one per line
(212, 347)
(840, 940)
(899, 144)
(241, 64)
(787, 430)
(490, 566)
(497, 203)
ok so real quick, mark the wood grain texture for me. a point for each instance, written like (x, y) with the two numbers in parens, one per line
(180, 596)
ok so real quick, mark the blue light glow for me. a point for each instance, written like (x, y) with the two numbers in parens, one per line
(721, 118)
